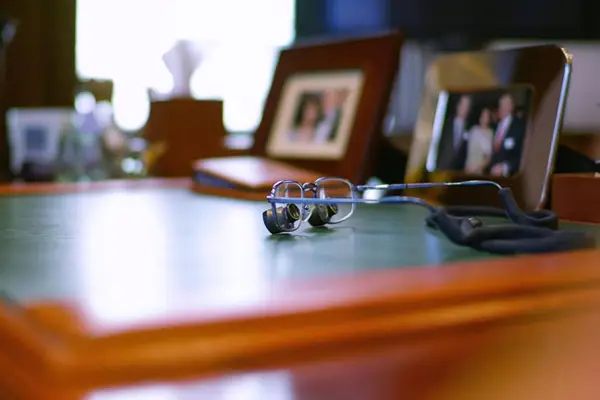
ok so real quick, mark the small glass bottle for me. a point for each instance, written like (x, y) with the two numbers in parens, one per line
(70, 163)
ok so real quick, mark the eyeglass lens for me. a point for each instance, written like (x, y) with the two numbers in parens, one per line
(289, 214)
(332, 188)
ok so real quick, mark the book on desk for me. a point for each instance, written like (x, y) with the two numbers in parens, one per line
(244, 177)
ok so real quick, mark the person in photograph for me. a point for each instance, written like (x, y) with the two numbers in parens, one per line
(509, 136)
(453, 143)
(495, 118)
(308, 115)
(479, 148)
(333, 102)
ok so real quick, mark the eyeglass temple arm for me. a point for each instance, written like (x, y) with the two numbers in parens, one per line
(408, 200)
(403, 186)
(332, 200)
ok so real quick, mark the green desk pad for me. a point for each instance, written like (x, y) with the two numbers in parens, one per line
(169, 242)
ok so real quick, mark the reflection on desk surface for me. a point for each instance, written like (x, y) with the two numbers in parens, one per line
(515, 361)
(124, 251)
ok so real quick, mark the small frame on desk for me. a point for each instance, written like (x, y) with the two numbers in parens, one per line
(491, 115)
(327, 103)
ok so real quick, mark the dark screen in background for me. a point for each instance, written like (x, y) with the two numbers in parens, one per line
(36, 138)
(433, 19)
(501, 18)
(354, 15)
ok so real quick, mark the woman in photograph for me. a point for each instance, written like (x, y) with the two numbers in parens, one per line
(307, 117)
(479, 150)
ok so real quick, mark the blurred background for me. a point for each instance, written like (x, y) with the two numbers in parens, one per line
(116, 49)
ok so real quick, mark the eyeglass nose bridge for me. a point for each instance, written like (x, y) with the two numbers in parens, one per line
(309, 209)
(310, 187)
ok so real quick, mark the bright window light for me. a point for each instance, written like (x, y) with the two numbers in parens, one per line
(124, 41)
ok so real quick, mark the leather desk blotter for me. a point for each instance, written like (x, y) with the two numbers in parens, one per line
(244, 177)
(575, 197)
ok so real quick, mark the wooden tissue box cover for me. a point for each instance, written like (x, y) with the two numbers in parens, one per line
(576, 197)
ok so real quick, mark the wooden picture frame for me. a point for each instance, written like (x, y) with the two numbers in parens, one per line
(376, 59)
(545, 71)
(315, 115)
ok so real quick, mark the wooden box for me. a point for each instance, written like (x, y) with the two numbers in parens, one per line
(576, 197)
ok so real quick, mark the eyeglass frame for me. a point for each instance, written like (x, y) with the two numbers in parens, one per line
(312, 187)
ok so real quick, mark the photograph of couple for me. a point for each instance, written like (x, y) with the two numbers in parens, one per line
(484, 132)
(317, 116)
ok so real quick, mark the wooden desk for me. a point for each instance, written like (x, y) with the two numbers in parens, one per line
(169, 286)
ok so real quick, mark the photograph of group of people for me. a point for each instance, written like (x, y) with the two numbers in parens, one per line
(483, 132)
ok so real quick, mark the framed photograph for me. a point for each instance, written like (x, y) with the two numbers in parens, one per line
(480, 132)
(327, 104)
(315, 116)
(493, 115)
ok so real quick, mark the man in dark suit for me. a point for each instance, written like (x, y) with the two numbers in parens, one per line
(452, 150)
(507, 145)
(332, 104)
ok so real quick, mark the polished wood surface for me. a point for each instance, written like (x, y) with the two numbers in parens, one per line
(189, 129)
(127, 286)
(540, 359)
(464, 362)
(253, 173)
(303, 323)
(575, 197)
(245, 177)
(586, 144)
